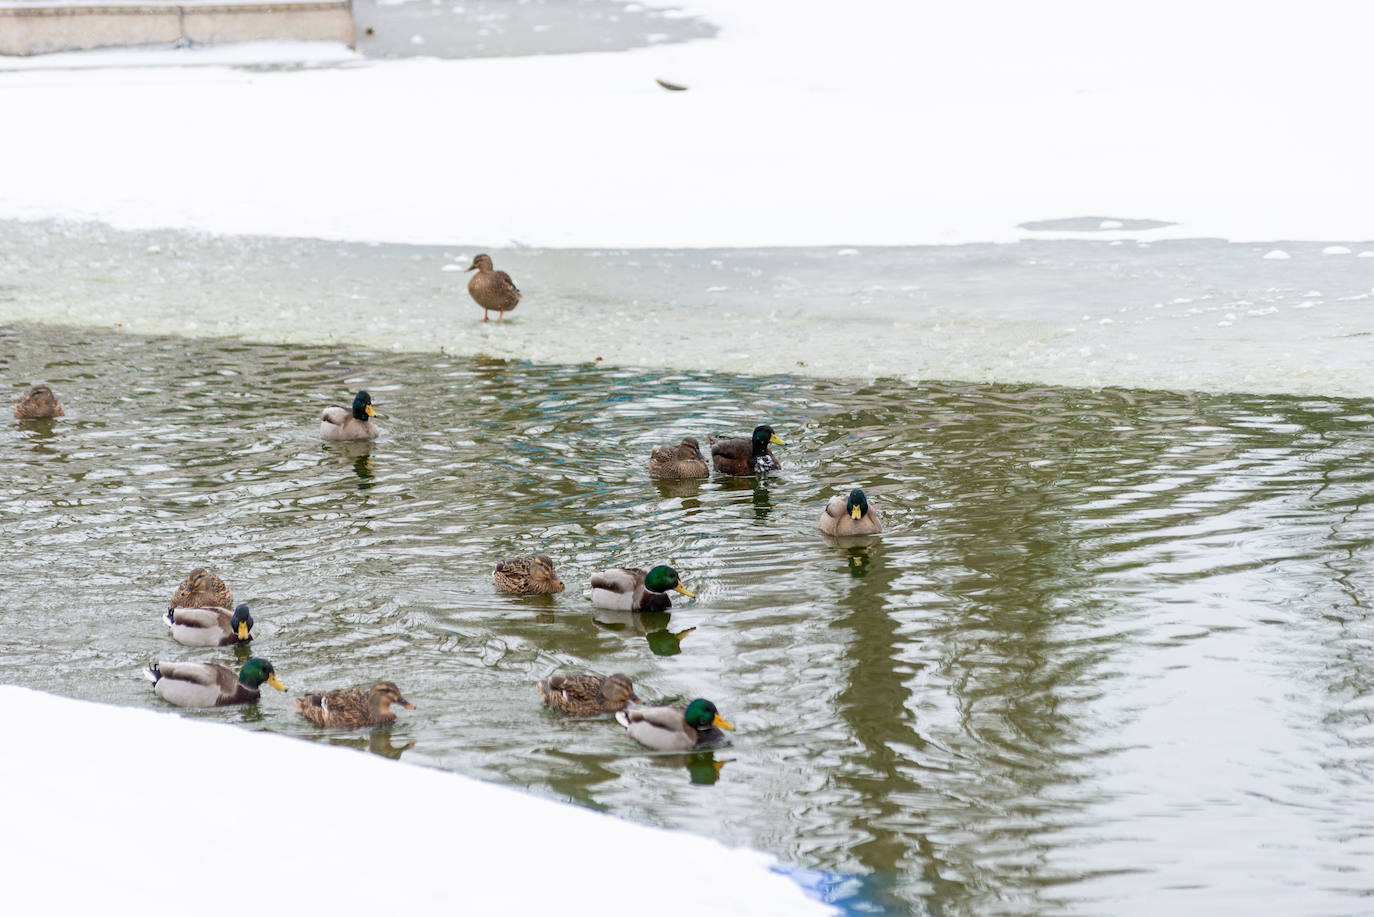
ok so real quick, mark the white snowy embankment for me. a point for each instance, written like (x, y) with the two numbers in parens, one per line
(868, 122)
(110, 809)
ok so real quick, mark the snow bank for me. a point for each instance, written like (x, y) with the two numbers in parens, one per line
(111, 808)
(804, 123)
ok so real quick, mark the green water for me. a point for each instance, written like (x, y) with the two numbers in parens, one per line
(1111, 655)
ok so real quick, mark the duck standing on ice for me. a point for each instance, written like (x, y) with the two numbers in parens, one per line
(493, 289)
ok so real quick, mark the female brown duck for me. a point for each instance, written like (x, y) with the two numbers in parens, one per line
(493, 290)
(586, 694)
(352, 707)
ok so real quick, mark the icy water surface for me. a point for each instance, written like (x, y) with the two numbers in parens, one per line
(1199, 314)
(1112, 655)
(493, 28)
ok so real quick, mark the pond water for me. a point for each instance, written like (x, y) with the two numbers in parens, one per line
(1112, 653)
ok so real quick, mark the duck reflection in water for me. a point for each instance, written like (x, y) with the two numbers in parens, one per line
(651, 625)
(703, 769)
(378, 742)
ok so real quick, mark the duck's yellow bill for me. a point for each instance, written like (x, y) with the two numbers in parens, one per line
(775, 440)
(368, 411)
(718, 721)
(685, 591)
(856, 513)
(275, 682)
(243, 630)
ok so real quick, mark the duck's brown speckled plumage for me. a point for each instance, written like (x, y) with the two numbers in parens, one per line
(681, 461)
(527, 576)
(202, 589)
(492, 289)
(351, 707)
(587, 695)
(39, 402)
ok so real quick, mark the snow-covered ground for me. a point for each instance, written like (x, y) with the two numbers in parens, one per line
(805, 123)
(111, 808)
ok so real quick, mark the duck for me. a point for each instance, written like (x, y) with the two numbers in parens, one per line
(746, 455)
(201, 589)
(208, 684)
(850, 516)
(587, 695)
(634, 589)
(493, 290)
(352, 707)
(697, 725)
(39, 402)
(681, 461)
(339, 424)
(210, 626)
(526, 576)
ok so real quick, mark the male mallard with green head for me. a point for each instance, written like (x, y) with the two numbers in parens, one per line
(850, 516)
(207, 684)
(634, 589)
(681, 461)
(697, 725)
(39, 402)
(341, 424)
(526, 576)
(587, 695)
(746, 455)
(202, 589)
(353, 707)
(493, 290)
(210, 626)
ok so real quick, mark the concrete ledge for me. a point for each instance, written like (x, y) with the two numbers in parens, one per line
(28, 28)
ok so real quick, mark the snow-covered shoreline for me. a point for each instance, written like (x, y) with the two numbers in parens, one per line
(884, 124)
(112, 807)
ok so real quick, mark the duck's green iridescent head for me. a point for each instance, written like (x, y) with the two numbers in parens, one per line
(857, 504)
(241, 622)
(763, 435)
(362, 405)
(255, 671)
(702, 714)
(662, 578)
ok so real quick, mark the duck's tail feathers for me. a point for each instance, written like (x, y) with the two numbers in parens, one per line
(622, 718)
(168, 616)
(152, 672)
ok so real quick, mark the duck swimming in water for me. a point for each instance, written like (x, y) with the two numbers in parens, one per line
(850, 515)
(746, 455)
(341, 424)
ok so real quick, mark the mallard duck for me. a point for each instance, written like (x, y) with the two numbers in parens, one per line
(675, 728)
(350, 707)
(202, 589)
(587, 695)
(207, 684)
(526, 576)
(743, 456)
(632, 589)
(493, 290)
(850, 516)
(39, 402)
(681, 461)
(210, 626)
(338, 423)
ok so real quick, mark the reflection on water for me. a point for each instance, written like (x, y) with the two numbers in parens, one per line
(1112, 646)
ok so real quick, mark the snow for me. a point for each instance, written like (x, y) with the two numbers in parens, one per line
(1277, 254)
(176, 810)
(804, 124)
